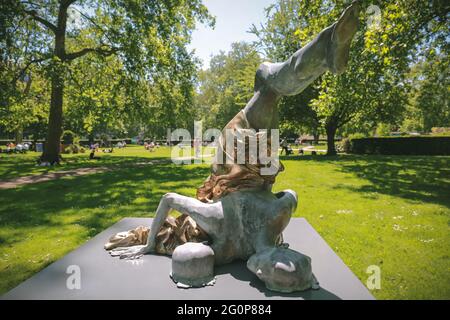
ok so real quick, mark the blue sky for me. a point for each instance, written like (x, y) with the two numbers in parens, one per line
(233, 19)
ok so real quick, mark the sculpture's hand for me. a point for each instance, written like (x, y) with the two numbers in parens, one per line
(134, 252)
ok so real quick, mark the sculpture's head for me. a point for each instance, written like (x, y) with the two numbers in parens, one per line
(283, 269)
(342, 33)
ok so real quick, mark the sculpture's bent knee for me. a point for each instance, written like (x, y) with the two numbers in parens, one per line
(193, 265)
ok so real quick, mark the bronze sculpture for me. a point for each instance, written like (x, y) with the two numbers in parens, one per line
(235, 207)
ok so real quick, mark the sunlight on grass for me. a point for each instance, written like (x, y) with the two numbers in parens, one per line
(387, 211)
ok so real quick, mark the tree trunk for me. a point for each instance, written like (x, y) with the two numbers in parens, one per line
(331, 133)
(26, 91)
(316, 137)
(91, 138)
(52, 148)
(18, 136)
(53, 141)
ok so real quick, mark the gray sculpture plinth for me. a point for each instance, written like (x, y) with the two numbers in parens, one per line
(148, 277)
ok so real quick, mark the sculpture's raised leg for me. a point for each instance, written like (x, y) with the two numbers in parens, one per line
(328, 51)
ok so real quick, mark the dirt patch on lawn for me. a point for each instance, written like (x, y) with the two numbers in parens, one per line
(47, 176)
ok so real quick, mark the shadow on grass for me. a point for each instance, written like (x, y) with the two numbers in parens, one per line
(108, 196)
(13, 167)
(417, 178)
(424, 179)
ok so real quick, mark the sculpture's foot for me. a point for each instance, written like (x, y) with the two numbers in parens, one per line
(343, 33)
(347, 25)
(283, 270)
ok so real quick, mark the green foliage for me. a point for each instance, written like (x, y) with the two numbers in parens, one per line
(428, 105)
(345, 144)
(96, 96)
(26, 105)
(227, 86)
(69, 137)
(356, 136)
(440, 131)
(23, 89)
(383, 129)
(429, 145)
(124, 64)
(375, 87)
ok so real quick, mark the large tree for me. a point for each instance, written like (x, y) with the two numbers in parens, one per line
(148, 37)
(22, 88)
(227, 85)
(429, 97)
(373, 88)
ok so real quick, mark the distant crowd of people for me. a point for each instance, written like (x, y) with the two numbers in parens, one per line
(95, 147)
(11, 147)
(287, 149)
(149, 145)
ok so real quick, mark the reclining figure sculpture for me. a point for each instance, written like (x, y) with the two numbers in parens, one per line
(235, 208)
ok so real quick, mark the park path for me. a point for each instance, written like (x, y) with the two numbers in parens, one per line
(47, 176)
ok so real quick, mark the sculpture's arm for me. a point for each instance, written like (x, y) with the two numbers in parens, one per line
(202, 213)
(206, 215)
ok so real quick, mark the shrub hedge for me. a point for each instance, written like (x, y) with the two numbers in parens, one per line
(424, 145)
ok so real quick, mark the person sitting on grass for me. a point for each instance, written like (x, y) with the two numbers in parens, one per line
(92, 155)
(10, 147)
(151, 146)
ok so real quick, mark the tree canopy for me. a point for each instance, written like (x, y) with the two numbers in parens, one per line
(138, 46)
(374, 88)
(227, 85)
(122, 67)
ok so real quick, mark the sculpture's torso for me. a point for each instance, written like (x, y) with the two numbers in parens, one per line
(252, 221)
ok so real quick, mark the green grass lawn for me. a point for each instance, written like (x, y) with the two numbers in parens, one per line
(393, 212)
(17, 165)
